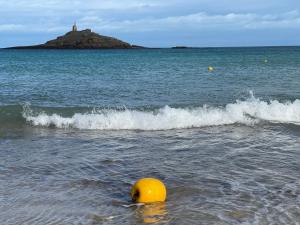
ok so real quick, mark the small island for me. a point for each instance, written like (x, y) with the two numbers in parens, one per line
(84, 39)
(180, 47)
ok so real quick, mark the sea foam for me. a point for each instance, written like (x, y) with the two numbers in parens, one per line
(248, 112)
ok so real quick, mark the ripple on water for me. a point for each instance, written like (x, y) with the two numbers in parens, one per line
(213, 177)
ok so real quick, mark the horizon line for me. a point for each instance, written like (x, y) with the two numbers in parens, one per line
(143, 47)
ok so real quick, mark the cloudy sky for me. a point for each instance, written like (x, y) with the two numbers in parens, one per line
(155, 23)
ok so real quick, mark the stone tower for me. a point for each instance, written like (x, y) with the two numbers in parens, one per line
(74, 28)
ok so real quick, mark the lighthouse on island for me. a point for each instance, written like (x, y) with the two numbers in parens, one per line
(74, 28)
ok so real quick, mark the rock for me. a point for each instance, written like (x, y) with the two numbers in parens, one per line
(179, 47)
(85, 39)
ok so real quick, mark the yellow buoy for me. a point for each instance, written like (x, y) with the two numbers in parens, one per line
(210, 69)
(148, 190)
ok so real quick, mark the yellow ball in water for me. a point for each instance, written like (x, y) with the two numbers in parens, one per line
(148, 190)
(210, 69)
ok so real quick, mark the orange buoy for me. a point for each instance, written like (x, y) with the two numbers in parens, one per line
(148, 190)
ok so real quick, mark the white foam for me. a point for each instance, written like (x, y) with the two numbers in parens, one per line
(247, 112)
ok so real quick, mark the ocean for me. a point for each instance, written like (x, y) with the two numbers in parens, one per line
(79, 127)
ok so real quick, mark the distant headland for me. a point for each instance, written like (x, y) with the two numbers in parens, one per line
(84, 39)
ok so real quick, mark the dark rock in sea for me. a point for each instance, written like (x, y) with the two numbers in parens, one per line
(85, 39)
(179, 47)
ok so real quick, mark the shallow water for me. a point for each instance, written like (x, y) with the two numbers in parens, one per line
(75, 134)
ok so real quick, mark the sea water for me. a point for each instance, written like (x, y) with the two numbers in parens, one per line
(79, 127)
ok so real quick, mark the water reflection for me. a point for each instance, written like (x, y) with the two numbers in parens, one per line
(153, 213)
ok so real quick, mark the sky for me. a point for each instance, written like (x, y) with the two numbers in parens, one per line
(155, 23)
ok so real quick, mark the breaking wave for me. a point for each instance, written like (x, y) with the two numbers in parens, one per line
(248, 112)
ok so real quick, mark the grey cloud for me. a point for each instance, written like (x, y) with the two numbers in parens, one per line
(197, 21)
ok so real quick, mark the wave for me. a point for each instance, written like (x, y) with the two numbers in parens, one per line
(248, 112)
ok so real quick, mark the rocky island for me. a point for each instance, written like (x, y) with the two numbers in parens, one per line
(85, 39)
(179, 47)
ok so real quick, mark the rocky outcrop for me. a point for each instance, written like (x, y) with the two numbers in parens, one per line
(85, 39)
(179, 47)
